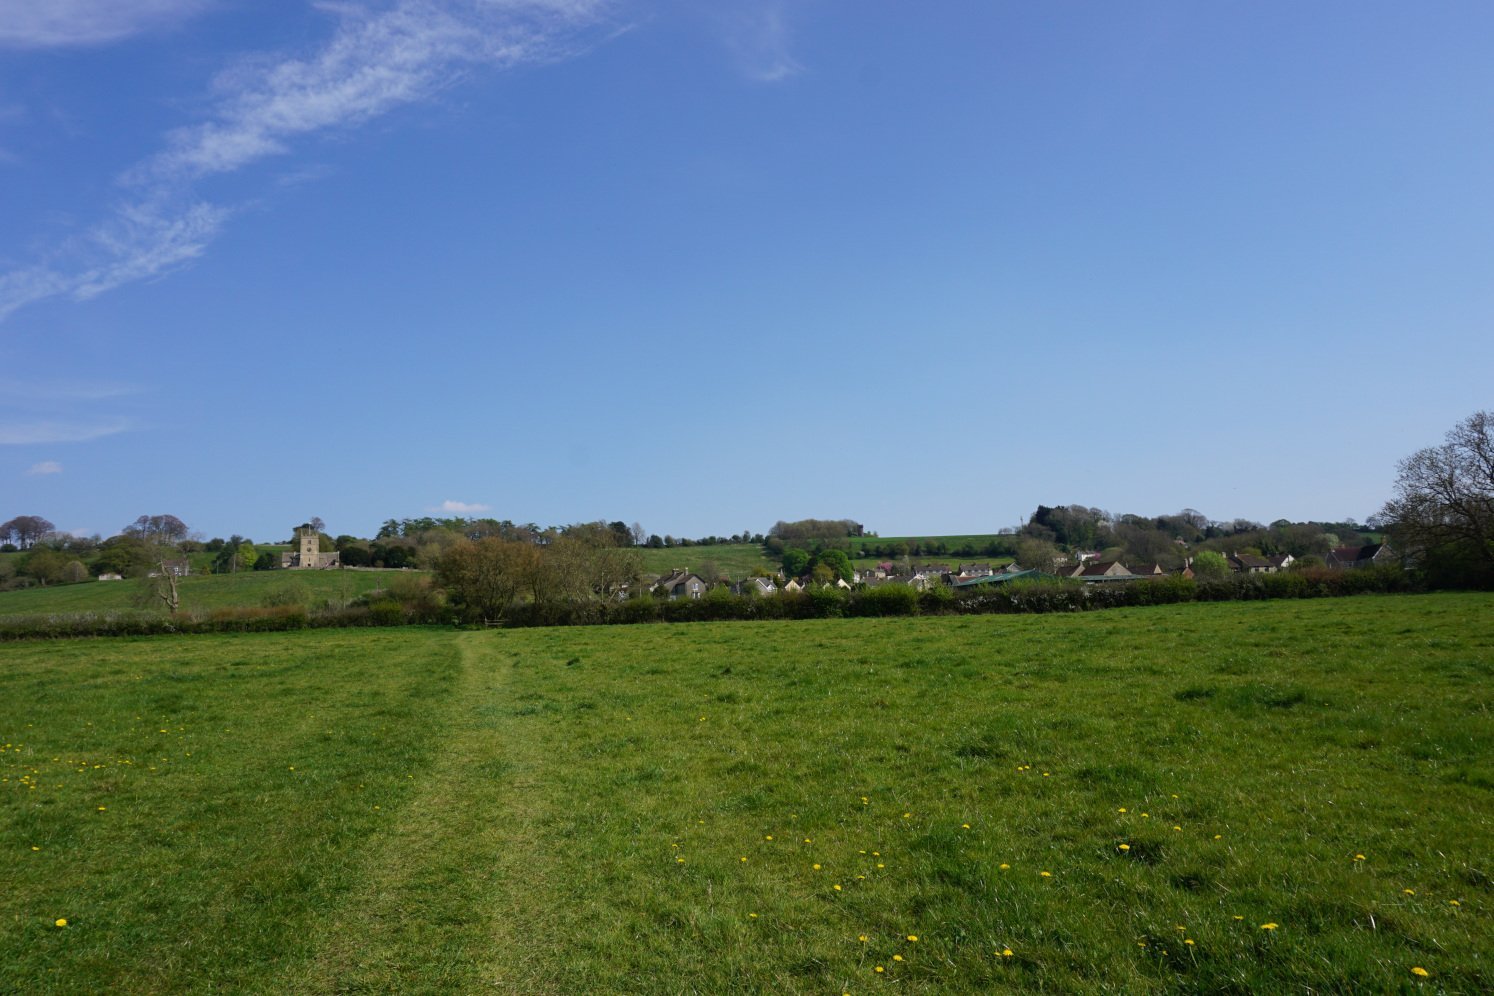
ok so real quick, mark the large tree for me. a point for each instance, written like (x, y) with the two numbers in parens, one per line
(25, 530)
(1443, 509)
(163, 529)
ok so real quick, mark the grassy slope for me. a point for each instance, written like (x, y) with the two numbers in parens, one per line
(738, 560)
(568, 810)
(198, 591)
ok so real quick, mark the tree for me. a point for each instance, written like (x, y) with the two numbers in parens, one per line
(163, 529)
(486, 577)
(1443, 510)
(795, 562)
(1210, 564)
(837, 561)
(25, 530)
(640, 535)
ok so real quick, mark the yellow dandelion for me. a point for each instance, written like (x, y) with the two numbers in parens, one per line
(752, 916)
(880, 865)
(1358, 857)
(1121, 810)
(881, 969)
(1146, 816)
(1006, 952)
(1046, 874)
(103, 808)
(913, 938)
(907, 816)
(744, 858)
(1177, 828)
(964, 826)
(61, 922)
(897, 957)
(808, 841)
(1125, 847)
(861, 938)
(1419, 971)
(1450, 902)
(1409, 892)
(865, 800)
(1239, 918)
(768, 837)
(1004, 867)
(1188, 941)
(815, 867)
(679, 860)
(1219, 836)
(837, 888)
(1268, 926)
(35, 848)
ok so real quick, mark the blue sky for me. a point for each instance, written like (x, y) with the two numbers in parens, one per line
(708, 266)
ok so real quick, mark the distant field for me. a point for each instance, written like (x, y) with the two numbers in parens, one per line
(1239, 797)
(198, 591)
(738, 560)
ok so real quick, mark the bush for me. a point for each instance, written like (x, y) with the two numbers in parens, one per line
(884, 600)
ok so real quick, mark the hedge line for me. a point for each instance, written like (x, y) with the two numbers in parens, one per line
(719, 604)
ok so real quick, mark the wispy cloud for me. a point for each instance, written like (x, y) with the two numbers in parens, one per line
(53, 23)
(759, 36)
(34, 432)
(461, 507)
(44, 468)
(64, 391)
(377, 59)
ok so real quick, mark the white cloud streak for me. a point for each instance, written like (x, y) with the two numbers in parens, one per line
(760, 38)
(377, 59)
(44, 468)
(461, 507)
(72, 23)
(32, 432)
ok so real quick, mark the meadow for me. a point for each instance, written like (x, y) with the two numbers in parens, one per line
(1235, 797)
(202, 592)
(736, 560)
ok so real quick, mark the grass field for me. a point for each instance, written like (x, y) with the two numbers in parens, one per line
(199, 591)
(737, 560)
(1237, 797)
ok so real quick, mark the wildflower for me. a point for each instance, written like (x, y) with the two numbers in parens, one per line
(1450, 902)
(1177, 828)
(865, 801)
(897, 957)
(752, 916)
(1419, 971)
(768, 837)
(1358, 857)
(103, 808)
(964, 826)
(861, 938)
(1005, 867)
(808, 841)
(1125, 847)
(1121, 810)
(881, 969)
(837, 888)
(907, 816)
(61, 921)
(1239, 918)
(1046, 874)
(1268, 926)
(880, 865)
(1006, 952)
(35, 848)
(913, 938)
(1188, 941)
(680, 860)
(815, 867)
(1219, 836)
(1409, 892)
(744, 858)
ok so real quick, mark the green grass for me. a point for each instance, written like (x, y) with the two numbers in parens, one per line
(737, 560)
(567, 810)
(198, 591)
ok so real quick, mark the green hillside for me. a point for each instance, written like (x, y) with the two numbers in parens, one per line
(200, 591)
(737, 560)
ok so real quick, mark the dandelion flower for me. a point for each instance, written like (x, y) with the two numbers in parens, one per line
(1006, 952)
(1239, 918)
(1419, 971)
(1046, 874)
(1268, 926)
(1188, 941)
(61, 921)
(815, 867)
(1409, 892)
(897, 957)
(1125, 847)
(103, 808)
(837, 888)
(1358, 857)
(35, 848)
(752, 916)
(1177, 828)
(1450, 902)
(907, 816)
(861, 938)
(1121, 810)
(881, 969)
(744, 858)
(679, 860)
(1004, 867)
(808, 841)
(964, 826)
(768, 837)
(913, 938)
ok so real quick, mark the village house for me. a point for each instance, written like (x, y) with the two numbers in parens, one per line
(1347, 557)
(680, 583)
